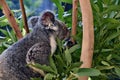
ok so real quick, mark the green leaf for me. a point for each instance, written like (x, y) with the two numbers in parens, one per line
(74, 48)
(111, 8)
(112, 36)
(76, 64)
(104, 50)
(109, 57)
(11, 36)
(88, 72)
(115, 56)
(52, 65)
(4, 32)
(68, 56)
(106, 1)
(49, 76)
(60, 64)
(6, 45)
(75, 69)
(105, 67)
(59, 43)
(60, 60)
(111, 20)
(105, 63)
(43, 67)
(2, 18)
(117, 70)
(100, 5)
(3, 21)
(60, 8)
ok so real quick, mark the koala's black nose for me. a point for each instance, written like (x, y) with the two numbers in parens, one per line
(69, 43)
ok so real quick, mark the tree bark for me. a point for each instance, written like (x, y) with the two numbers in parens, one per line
(74, 18)
(11, 18)
(24, 16)
(88, 35)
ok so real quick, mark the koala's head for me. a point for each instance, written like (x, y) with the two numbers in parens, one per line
(49, 22)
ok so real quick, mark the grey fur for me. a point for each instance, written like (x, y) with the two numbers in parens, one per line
(32, 21)
(36, 46)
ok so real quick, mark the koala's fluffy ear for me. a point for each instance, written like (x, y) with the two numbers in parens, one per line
(47, 18)
(33, 21)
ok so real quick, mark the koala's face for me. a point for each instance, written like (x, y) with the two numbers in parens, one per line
(49, 22)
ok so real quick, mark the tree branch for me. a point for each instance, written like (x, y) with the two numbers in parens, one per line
(24, 16)
(88, 35)
(11, 18)
(74, 18)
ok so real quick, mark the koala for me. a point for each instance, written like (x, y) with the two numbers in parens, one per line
(35, 47)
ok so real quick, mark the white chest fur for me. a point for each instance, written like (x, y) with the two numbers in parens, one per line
(52, 44)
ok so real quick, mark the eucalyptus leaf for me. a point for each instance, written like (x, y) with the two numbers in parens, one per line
(2, 18)
(10, 35)
(60, 60)
(117, 70)
(74, 48)
(105, 67)
(104, 50)
(109, 57)
(105, 63)
(60, 63)
(52, 65)
(6, 45)
(59, 43)
(116, 56)
(43, 67)
(112, 36)
(68, 56)
(88, 72)
(60, 8)
(111, 8)
(76, 64)
(4, 32)
(49, 76)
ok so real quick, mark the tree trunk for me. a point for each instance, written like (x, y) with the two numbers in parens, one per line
(10, 18)
(74, 18)
(88, 36)
(24, 16)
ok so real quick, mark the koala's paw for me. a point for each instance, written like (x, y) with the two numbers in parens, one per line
(38, 53)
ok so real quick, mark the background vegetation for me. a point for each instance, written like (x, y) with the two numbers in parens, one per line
(107, 41)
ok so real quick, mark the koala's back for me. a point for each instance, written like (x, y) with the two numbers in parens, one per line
(12, 61)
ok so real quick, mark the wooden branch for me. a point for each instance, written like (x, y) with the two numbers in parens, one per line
(74, 18)
(0, 3)
(11, 18)
(88, 35)
(24, 16)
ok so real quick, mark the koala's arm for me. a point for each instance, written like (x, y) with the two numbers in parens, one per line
(38, 53)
